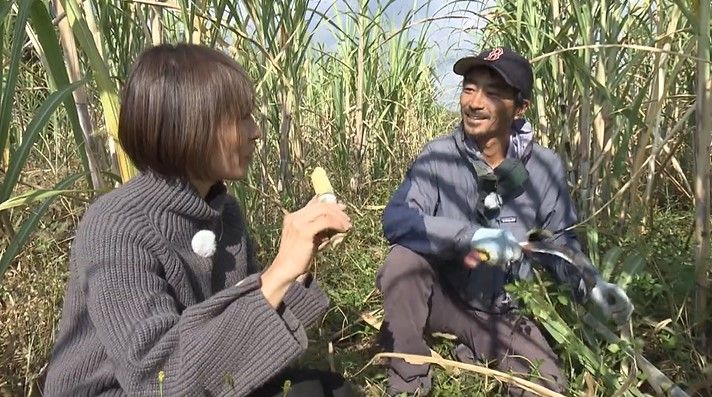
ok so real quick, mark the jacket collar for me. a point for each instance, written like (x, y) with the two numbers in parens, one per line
(520, 142)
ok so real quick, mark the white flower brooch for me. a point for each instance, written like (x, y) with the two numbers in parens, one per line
(203, 243)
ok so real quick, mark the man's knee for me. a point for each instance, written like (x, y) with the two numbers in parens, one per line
(402, 266)
(530, 352)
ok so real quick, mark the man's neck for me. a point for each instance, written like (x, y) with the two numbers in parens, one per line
(493, 149)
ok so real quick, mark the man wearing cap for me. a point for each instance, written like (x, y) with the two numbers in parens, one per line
(455, 224)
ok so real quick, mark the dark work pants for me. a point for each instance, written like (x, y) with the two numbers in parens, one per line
(306, 383)
(415, 301)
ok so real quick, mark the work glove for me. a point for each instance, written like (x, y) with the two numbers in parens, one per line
(496, 247)
(612, 300)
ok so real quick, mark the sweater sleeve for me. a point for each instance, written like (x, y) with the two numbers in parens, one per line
(306, 300)
(232, 342)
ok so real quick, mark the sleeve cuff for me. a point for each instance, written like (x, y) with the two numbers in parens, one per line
(465, 242)
(291, 320)
(306, 301)
(249, 342)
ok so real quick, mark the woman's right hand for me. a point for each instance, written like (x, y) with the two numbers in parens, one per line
(300, 238)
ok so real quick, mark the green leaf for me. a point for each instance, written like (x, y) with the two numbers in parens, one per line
(683, 6)
(29, 226)
(219, 12)
(592, 237)
(30, 197)
(108, 94)
(19, 158)
(8, 93)
(631, 266)
(47, 36)
(613, 348)
(562, 299)
(609, 260)
(5, 9)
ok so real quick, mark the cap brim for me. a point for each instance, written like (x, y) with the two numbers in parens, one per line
(462, 66)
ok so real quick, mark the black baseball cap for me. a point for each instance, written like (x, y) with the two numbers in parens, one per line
(514, 68)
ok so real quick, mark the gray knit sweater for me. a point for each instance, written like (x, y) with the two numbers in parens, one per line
(141, 305)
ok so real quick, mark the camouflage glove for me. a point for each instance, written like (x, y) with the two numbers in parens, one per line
(612, 300)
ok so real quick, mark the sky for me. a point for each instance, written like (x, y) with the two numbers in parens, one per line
(450, 38)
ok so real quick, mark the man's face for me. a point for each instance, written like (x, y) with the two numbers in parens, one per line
(486, 104)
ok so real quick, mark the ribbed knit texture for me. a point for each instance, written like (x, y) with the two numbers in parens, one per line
(139, 301)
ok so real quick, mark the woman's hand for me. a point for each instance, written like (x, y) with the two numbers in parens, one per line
(301, 233)
(303, 230)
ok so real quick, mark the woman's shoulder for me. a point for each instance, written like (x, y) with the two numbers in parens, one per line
(121, 211)
(122, 200)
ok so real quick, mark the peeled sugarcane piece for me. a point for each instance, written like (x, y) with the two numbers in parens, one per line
(325, 192)
(476, 256)
(481, 256)
(322, 186)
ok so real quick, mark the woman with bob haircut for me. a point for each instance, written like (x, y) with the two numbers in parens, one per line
(164, 294)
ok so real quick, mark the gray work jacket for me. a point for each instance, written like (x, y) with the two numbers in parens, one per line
(433, 213)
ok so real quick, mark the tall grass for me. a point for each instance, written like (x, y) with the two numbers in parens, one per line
(359, 102)
(702, 141)
(614, 95)
(613, 79)
(361, 107)
(618, 84)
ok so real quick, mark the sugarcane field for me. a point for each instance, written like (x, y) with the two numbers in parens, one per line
(340, 198)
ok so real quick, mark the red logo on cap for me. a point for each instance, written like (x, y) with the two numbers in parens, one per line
(494, 54)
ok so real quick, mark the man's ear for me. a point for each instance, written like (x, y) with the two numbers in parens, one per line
(521, 109)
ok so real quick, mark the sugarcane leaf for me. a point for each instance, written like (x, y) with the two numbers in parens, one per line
(5, 9)
(8, 92)
(632, 266)
(32, 196)
(609, 260)
(47, 36)
(30, 224)
(36, 125)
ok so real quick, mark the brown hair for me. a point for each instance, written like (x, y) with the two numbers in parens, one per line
(174, 102)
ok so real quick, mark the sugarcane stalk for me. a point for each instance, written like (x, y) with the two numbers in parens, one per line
(661, 383)
(702, 138)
